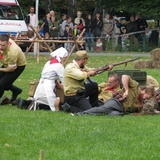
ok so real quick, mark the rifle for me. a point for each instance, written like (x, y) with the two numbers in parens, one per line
(106, 67)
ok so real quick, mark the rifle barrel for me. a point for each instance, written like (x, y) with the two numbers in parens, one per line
(126, 61)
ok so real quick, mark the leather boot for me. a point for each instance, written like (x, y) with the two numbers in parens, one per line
(15, 92)
(4, 100)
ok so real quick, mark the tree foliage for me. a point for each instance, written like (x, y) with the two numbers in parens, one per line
(148, 8)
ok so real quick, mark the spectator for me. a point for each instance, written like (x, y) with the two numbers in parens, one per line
(123, 37)
(68, 22)
(78, 18)
(81, 25)
(132, 27)
(64, 16)
(142, 26)
(76, 33)
(52, 13)
(98, 24)
(107, 30)
(47, 23)
(31, 20)
(116, 32)
(13, 64)
(89, 32)
(99, 45)
(53, 28)
(68, 35)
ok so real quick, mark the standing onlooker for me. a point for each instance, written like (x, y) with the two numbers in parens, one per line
(89, 31)
(142, 26)
(116, 32)
(53, 28)
(107, 30)
(31, 20)
(78, 18)
(13, 64)
(64, 16)
(132, 27)
(98, 24)
(123, 37)
(47, 23)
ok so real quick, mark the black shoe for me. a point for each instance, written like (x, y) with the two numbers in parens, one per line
(66, 107)
(22, 103)
(5, 100)
(15, 94)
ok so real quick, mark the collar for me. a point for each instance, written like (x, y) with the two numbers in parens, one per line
(54, 60)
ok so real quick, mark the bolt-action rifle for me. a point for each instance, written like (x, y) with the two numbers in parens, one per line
(106, 67)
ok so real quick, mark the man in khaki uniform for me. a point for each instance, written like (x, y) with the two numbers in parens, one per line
(134, 97)
(13, 63)
(107, 89)
(75, 88)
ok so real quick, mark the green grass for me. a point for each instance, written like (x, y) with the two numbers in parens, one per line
(24, 133)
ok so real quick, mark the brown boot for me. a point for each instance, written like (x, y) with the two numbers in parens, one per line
(56, 104)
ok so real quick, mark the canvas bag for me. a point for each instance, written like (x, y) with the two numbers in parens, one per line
(32, 87)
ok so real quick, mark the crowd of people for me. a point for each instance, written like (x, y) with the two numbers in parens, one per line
(101, 31)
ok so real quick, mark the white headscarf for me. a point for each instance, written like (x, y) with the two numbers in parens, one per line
(59, 53)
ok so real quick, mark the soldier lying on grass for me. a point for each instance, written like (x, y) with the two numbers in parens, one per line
(131, 101)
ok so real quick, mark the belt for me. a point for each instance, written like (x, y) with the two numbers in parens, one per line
(71, 94)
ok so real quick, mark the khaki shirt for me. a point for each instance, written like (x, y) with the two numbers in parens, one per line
(150, 105)
(13, 55)
(105, 93)
(133, 101)
(74, 79)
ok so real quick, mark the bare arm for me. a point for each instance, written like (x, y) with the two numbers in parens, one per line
(125, 80)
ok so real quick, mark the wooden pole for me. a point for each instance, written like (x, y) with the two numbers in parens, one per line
(39, 37)
(74, 46)
(27, 50)
(16, 37)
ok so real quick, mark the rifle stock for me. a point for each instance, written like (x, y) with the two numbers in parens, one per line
(106, 67)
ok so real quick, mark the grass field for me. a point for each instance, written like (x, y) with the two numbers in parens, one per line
(24, 133)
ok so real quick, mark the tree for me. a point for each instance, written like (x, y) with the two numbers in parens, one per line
(148, 8)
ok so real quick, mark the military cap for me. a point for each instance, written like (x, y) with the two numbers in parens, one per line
(81, 54)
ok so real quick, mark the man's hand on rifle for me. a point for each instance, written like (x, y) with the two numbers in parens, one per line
(91, 73)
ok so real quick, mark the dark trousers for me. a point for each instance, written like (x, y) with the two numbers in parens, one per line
(7, 79)
(111, 107)
(85, 102)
